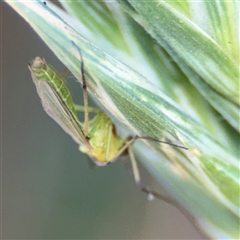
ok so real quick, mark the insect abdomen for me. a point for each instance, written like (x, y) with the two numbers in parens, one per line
(44, 71)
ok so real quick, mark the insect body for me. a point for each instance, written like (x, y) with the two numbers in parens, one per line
(106, 145)
(97, 138)
(56, 99)
(101, 143)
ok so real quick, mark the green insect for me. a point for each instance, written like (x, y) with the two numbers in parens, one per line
(98, 137)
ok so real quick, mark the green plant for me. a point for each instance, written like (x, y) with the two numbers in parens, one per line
(189, 54)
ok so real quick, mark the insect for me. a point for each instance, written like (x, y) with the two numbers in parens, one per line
(98, 137)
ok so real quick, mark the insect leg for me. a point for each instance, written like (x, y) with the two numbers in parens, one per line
(166, 199)
(136, 174)
(108, 143)
(160, 141)
(85, 98)
(135, 169)
(81, 108)
(122, 149)
(85, 93)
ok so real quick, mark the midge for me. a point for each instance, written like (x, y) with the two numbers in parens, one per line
(98, 137)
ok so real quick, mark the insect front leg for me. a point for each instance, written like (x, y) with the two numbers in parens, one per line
(81, 108)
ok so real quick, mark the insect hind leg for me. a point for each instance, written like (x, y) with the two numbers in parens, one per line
(137, 176)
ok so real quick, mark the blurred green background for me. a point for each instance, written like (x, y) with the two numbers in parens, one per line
(48, 189)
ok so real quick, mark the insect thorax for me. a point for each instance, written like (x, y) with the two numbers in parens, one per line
(104, 141)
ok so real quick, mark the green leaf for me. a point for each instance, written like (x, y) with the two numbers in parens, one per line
(210, 68)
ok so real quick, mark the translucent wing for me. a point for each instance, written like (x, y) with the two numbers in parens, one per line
(56, 108)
